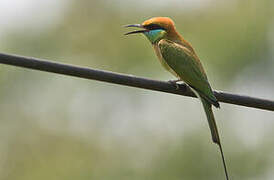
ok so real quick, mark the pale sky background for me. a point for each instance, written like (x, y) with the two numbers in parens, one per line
(29, 14)
(38, 14)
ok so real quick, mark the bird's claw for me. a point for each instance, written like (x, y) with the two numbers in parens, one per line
(174, 82)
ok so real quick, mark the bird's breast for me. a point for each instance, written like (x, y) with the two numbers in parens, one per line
(162, 60)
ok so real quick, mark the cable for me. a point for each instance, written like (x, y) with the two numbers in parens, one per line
(128, 80)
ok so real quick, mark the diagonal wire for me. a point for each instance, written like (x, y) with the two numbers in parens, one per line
(128, 80)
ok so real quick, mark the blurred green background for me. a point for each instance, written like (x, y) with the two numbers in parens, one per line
(59, 127)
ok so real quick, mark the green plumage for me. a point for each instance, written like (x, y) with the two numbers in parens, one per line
(189, 69)
(211, 121)
(178, 57)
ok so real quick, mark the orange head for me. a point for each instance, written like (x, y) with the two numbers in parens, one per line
(159, 22)
(156, 28)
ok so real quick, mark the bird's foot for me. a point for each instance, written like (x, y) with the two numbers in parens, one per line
(174, 82)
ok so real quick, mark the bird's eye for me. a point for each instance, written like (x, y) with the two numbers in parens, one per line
(153, 27)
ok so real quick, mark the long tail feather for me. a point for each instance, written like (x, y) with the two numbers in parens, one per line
(211, 121)
(223, 159)
(213, 128)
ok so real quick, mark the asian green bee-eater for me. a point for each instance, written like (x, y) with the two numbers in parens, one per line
(178, 57)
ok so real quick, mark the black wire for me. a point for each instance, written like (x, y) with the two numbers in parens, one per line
(128, 80)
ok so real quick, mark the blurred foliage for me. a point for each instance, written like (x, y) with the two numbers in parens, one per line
(225, 35)
(38, 154)
(65, 128)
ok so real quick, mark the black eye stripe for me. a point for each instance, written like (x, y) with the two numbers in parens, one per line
(153, 27)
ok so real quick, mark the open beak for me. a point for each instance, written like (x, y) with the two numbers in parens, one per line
(137, 26)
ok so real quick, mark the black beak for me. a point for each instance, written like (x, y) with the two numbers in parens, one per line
(135, 32)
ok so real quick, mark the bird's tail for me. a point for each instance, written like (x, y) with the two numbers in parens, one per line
(211, 121)
(213, 128)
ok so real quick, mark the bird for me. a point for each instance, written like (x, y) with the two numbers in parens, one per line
(178, 57)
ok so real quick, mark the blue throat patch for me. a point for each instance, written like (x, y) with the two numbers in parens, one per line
(155, 35)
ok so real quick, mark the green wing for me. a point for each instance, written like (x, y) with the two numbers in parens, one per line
(188, 67)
